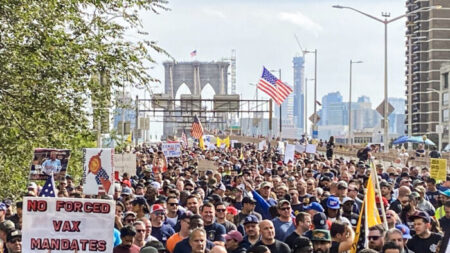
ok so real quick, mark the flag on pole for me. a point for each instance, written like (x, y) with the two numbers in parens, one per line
(130, 137)
(368, 217)
(49, 188)
(196, 129)
(273, 87)
(184, 138)
(194, 53)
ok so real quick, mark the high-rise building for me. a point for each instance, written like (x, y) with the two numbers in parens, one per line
(429, 33)
(299, 92)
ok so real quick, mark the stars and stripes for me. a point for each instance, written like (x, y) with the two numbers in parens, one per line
(48, 190)
(196, 129)
(274, 87)
(194, 53)
(101, 174)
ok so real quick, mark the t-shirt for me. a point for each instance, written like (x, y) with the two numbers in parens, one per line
(334, 247)
(172, 241)
(428, 245)
(445, 223)
(228, 226)
(277, 247)
(290, 240)
(163, 233)
(283, 229)
(433, 198)
(215, 232)
(239, 219)
(184, 247)
(125, 249)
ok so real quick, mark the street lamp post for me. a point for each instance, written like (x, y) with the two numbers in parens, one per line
(385, 22)
(439, 126)
(350, 142)
(314, 127)
(305, 115)
(257, 107)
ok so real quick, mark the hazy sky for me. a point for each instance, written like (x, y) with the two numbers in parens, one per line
(262, 33)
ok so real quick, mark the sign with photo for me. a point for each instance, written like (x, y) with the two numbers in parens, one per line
(67, 225)
(47, 161)
(98, 171)
(171, 149)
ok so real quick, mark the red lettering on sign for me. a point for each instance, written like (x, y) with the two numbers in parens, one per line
(36, 206)
(57, 225)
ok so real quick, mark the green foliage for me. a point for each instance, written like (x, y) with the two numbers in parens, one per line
(55, 57)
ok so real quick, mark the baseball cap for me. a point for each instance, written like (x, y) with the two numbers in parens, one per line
(446, 192)
(13, 234)
(385, 184)
(333, 202)
(301, 242)
(232, 210)
(139, 201)
(315, 206)
(126, 191)
(126, 182)
(342, 185)
(405, 230)
(320, 221)
(321, 235)
(420, 214)
(186, 215)
(32, 185)
(155, 244)
(347, 199)
(235, 235)
(7, 225)
(3, 206)
(251, 219)
(265, 184)
(148, 249)
(156, 207)
(248, 200)
(130, 213)
(283, 202)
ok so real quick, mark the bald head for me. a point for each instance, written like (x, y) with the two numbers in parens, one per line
(267, 231)
(218, 249)
(404, 191)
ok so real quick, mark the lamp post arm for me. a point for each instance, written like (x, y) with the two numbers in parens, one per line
(363, 13)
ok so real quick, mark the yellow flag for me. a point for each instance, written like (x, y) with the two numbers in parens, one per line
(373, 216)
(226, 141)
(218, 142)
(130, 137)
(202, 143)
(242, 155)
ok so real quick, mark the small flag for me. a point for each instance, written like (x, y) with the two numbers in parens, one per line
(317, 102)
(194, 53)
(274, 87)
(130, 138)
(201, 143)
(184, 138)
(196, 129)
(49, 188)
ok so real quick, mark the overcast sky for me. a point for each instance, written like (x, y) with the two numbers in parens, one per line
(262, 33)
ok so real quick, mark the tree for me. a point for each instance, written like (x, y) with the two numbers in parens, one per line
(52, 54)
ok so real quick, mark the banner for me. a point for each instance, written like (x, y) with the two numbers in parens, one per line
(204, 165)
(48, 160)
(125, 163)
(311, 148)
(289, 153)
(300, 148)
(67, 225)
(171, 149)
(438, 169)
(98, 171)
(262, 145)
(281, 147)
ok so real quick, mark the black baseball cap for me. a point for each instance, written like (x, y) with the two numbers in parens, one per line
(248, 200)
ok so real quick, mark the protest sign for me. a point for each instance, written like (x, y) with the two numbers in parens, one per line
(98, 171)
(300, 148)
(262, 144)
(289, 153)
(47, 161)
(438, 169)
(171, 149)
(67, 225)
(311, 148)
(204, 165)
(125, 163)
(280, 147)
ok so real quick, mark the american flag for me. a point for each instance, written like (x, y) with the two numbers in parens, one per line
(197, 129)
(101, 174)
(194, 53)
(49, 188)
(184, 139)
(274, 87)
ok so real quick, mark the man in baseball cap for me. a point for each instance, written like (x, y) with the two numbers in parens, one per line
(424, 240)
(14, 241)
(321, 240)
(232, 242)
(251, 229)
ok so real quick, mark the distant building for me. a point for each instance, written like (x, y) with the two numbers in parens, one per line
(299, 93)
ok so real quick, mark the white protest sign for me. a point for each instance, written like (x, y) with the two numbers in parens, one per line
(125, 162)
(98, 171)
(171, 149)
(289, 153)
(261, 145)
(311, 148)
(280, 147)
(300, 148)
(67, 225)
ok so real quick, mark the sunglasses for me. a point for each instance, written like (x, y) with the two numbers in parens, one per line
(130, 220)
(140, 230)
(15, 240)
(285, 208)
(173, 204)
(374, 238)
(220, 210)
(158, 213)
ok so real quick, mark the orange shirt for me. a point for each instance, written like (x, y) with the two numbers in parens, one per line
(172, 241)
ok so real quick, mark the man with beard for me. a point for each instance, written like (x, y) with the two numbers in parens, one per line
(221, 219)
(376, 237)
(251, 231)
(127, 234)
(321, 240)
(192, 204)
(424, 241)
(233, 242)
(248, 208)
(398, 237)
(303, 223)
(268, 238)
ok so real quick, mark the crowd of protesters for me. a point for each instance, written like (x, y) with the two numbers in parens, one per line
(251, 201)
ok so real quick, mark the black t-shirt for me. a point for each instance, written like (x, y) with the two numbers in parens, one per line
(445, 223)
(290, 240)
(277, 247)
(396, 206)
(428, 245)
(215, 232)
(334, 247)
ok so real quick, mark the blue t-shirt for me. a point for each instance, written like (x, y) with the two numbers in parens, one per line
(163, 233)
(116, 239)
(283, 229)
(215, 232)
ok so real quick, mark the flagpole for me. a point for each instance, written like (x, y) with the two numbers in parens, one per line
(366, 225)
(380, 197)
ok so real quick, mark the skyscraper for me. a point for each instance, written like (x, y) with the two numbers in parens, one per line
(428, 32)
(299, 92)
